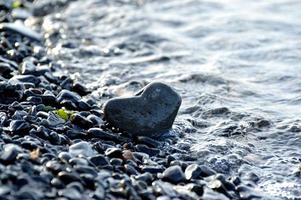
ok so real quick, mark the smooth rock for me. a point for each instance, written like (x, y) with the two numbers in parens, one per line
(113, 152)
(25, 79)
(27, 67)
(54, 120)
(71, 193)
(192, 171)
(21, 29)
(81, 121)
(151, 112)
(10, 92)
(81, 148)
(173, 174)
(10, 153)
(153, 169)
(145, 149)
(68, 98)
(99, 160)
(99, 133)
(6, 70)
(19, 127)
(206, 171)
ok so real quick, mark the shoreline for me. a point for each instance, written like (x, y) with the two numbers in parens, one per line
(54, 142)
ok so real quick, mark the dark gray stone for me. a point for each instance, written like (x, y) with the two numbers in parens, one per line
(193, 171)
(71, 193)
(68, 177)
(145, 149)
(113, 152)
(151, 112)
(27, 67)
(153, 169)
(20, 127)
(21, 29)
(6, 70)
(54, 120)
(68, 99)
(99, 133)
(206, 171)
(25, 79)
(10, 93)
(173, 174)
(81, 121)
(146, 177)
(148, 141)
(10, 153)
(99, 160)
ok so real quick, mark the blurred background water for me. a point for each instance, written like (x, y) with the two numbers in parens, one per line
(237, 65)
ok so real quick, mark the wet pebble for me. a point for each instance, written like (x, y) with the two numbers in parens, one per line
(101, 134)
(19, 28)
(192, 171)
(31, 79)
(27, 67)
(99, 160)
(6, 70)
(113, 152)
(151, 112)
(173, 174)
(81, 121)
(10, 153)
(68, 98)
(153, 169)
(10, 92)
(81, 148)
(19, 127)
(147, 150)
(68, 177)
(71, 193)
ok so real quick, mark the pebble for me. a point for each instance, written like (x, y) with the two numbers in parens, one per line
(65, 156)
(67, 177)
(145, 149)
(113, 152)
(10, 153)
(22, 30)
(153, 169)
(81, 121)
(116, 161)
(100, 134)
(27, 67)
(151, 112)
(81, 148)
(173, 174)
(99, 160)
(146, 177)
(193, 171)
(71, 193)
(66, 97)
(10, 92)
(206, 171)
(19, 127)
(53, 120)
(6, 70)
(31, 79)
(148, 141)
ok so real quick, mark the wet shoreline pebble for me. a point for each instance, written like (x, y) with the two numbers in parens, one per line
(55, 144)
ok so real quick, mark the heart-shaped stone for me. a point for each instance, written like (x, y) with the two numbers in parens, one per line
(151, 112)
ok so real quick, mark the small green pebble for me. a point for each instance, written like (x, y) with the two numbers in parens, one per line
(16, 4)
(64, 114)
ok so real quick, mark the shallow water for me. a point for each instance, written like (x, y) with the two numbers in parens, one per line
(237, 65)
